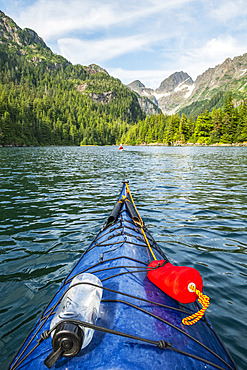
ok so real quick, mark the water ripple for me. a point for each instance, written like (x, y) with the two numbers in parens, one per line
(54, 200)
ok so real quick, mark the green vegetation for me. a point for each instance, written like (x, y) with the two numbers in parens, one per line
(223, 125)
(196, 108)
(52, 104)
(45, 100)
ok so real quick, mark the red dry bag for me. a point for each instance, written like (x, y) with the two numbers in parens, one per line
(175, 280)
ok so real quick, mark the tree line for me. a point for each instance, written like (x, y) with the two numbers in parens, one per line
(223, 125)
(47, 104)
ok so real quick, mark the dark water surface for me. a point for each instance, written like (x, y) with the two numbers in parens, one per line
(54, 200)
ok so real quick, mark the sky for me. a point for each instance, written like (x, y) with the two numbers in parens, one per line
(145, 40)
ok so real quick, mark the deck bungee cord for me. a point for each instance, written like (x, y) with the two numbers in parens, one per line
(118, 227)
(160, 343)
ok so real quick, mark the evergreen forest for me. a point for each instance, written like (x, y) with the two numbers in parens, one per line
(47, 103)
(226, 125)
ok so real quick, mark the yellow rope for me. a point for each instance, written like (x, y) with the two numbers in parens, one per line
(143, 232)
(203, 300)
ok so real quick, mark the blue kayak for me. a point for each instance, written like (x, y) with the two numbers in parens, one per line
(138, 325)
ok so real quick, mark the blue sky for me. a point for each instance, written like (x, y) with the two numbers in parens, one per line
(146, 40)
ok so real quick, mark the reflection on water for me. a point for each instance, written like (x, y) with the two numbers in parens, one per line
(54, 200)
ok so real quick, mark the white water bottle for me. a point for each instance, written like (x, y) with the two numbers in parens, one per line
(81, 302)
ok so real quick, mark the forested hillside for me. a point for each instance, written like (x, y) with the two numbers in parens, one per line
(64, 105)
(45, 100)
(224, 125)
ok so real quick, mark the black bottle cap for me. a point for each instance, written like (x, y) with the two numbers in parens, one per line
(68, 336)
(67, 341)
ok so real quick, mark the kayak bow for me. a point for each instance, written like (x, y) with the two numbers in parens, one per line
(138, 326)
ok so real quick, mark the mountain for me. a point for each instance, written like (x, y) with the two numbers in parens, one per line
(175, 81)
(170, 94)
(146, 98)
(212, 87)
(26, 42)
(178, 92)
(143, 91)
(46, 100)
(173, 91)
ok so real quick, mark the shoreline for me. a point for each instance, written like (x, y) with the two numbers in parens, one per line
(196, 144)
(244, 144)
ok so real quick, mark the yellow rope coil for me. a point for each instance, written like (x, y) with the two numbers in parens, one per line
(203, 300)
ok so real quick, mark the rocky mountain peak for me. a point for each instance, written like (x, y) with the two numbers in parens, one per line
(27, 43)
(173, 81)
(11, 32)
(31, 37)
(136, 84)
(8, 29)
(231, 75)
(176, 88)
(179, 92)
(94, 68)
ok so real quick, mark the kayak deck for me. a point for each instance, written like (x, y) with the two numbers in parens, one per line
(131, 304)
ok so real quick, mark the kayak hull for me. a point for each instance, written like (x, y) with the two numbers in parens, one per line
(119, 257)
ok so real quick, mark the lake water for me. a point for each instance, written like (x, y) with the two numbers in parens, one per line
(55, 199)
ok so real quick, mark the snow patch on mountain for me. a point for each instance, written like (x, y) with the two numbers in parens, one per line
(159, 96)
(179, 90)
(190, 89)
(243, 72)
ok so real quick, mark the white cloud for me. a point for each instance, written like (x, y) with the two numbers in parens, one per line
(53, 18)
(165, 33)
(212, 53)
(60, 17)
(96, 51)
(219, 47)
(227, 9)
(193, 61)
(86, 52)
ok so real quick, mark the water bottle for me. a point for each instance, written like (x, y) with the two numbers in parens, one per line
(81, 302)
